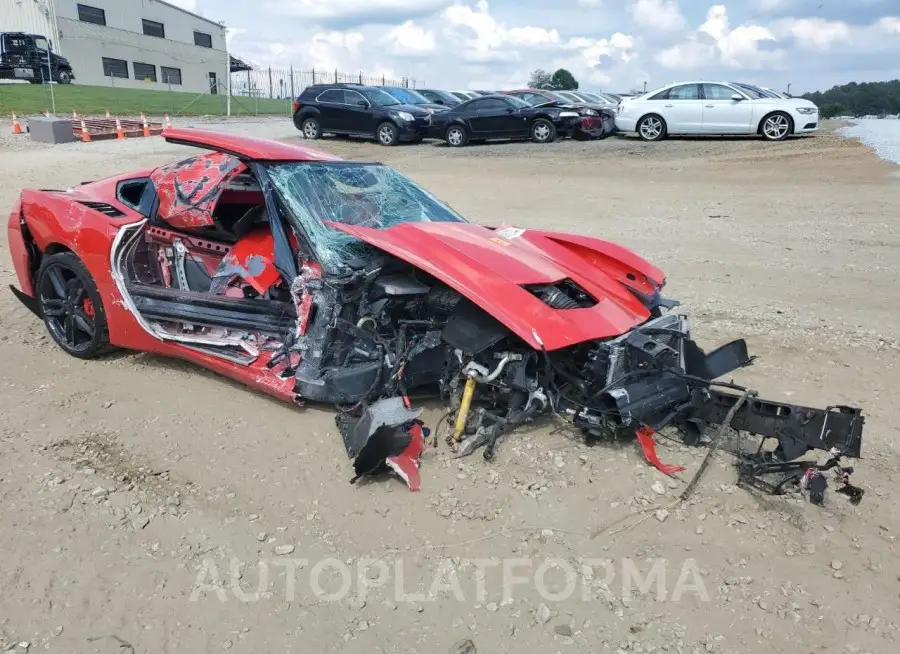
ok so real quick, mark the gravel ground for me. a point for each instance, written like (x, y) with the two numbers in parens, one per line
(126, 482)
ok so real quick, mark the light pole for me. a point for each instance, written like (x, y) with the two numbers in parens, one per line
(227, 72)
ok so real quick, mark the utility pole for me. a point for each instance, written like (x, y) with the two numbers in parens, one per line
(227, 73)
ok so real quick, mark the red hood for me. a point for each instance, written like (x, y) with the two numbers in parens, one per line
(489, 267)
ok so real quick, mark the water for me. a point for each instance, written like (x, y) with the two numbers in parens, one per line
(882, 135)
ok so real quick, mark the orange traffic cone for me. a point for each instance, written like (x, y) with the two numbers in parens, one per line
(146, 126)
(85, 136)
(168, 122)
(17, 128)
(120, 133)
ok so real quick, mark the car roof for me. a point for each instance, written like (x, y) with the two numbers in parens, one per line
(246, 148)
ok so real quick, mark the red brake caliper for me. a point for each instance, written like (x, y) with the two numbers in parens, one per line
(88, 307)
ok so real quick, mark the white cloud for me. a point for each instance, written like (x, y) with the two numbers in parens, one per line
(890, 23)
(689, 55)
(715, 41)
(619, 46)
(488, 34)
(813, 33)
(662, 15)
(739, 47)
(324, 50)
(231, 32)
(411, 38)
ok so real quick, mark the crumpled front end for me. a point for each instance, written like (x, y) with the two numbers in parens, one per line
(592, 127)
(651, 377)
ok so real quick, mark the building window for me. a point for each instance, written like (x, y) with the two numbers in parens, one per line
(152, 28)
(170, 75)
(144, 71)
(203, 40)
(115, 67)
(94, 15)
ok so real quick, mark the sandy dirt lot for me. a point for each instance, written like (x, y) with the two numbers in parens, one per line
(127, 481)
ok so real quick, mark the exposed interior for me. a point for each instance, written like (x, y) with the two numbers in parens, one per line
(188, 285)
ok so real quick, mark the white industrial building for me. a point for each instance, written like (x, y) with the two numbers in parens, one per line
(127, 43)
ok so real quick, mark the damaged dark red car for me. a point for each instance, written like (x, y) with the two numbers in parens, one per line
(316, 279)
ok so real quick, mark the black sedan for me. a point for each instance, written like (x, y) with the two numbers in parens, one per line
(502, 117)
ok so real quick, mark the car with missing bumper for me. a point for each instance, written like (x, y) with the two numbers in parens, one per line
(715, 108)
(503, 117)
(315, 279)
(596, 122)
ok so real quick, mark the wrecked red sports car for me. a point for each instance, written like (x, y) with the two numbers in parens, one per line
(317, 279)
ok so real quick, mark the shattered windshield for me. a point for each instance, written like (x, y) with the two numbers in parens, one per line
(359, 194)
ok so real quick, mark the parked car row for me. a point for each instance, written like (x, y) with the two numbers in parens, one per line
(394, 114)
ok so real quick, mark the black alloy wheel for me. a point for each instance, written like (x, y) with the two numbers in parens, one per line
(71, 306)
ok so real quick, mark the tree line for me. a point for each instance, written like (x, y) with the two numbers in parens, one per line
(853, 99)
(560, 80)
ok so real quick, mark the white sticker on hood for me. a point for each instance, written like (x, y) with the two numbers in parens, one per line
(510, 232)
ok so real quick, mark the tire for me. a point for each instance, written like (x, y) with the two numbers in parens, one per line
(71, 306)
(64, 76)
(777, 126)
(311, 129)
(387, 134)
(651, 127)
(543, 131)
(456, 136)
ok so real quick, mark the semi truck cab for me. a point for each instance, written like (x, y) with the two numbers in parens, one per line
(30, 57)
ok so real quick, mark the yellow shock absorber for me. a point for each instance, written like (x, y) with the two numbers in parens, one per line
(464, 405)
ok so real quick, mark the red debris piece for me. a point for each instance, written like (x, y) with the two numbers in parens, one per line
(648, 445)
(406, 464)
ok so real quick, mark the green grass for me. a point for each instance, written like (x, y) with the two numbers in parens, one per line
(31, 99)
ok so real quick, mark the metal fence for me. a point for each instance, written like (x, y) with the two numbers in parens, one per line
(287, 83)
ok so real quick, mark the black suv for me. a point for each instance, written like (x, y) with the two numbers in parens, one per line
(357, 110)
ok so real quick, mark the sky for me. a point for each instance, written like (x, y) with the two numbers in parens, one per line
(614, 45)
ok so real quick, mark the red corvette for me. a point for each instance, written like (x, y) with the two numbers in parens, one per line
(312, 278)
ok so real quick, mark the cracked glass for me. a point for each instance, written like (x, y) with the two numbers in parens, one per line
(359, 194)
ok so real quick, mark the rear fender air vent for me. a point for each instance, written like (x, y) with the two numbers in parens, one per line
(103, 208)
(564, 294)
